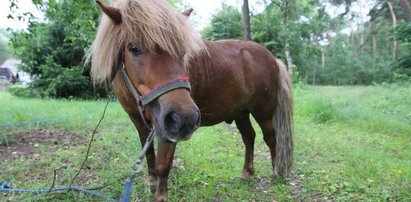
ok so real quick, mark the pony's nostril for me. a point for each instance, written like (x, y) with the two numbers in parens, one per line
(172, 122)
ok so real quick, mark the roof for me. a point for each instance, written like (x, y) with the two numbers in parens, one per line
(11, 64)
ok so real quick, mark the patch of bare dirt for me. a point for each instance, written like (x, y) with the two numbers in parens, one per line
(32, 144)
(296, 186)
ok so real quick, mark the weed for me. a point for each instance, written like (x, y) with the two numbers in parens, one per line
(323, 111)
(7, 140)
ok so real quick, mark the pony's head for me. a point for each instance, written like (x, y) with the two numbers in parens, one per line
(154, 44)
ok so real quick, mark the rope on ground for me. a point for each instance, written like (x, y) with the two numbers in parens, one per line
(6, 188)
(89, 144)
(126, 194)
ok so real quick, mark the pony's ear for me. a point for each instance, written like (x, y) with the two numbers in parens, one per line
(113, 13)
(188, 12)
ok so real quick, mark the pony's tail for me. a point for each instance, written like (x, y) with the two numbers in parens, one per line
(283, 123)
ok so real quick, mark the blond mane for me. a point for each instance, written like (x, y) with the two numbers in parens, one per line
(152, 24)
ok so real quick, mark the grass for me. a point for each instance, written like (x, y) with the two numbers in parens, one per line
(351, 144)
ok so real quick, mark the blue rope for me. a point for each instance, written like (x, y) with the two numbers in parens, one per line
(5, 188)
(126, 195)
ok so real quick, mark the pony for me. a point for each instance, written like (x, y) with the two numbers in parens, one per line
(167, 78)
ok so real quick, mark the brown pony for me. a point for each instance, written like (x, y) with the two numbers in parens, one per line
(230, 80)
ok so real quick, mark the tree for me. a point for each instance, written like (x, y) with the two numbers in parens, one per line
(406, 8)
(246, 20)
(286, 8)
(403, 65)
(225, 24)
(52, 50)
(394, 25)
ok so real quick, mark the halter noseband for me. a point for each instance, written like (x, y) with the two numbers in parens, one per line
(143, 100)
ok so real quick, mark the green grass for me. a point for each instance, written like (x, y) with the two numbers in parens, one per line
(351, 144)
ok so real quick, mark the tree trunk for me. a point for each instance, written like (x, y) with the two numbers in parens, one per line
(394, 25)
(362, 31)
(353, 53)
(246, 20)
(288, 57)
(322, 60)
(362, 38)
(374, 44)
(334, 46)
(287, 45)
(314, 73)
(406, 9)
(386, 34)
(374, 39)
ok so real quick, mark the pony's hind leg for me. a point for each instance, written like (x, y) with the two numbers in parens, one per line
(248, 135)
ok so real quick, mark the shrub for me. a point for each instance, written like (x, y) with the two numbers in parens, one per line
(23, 91)
(323, 111)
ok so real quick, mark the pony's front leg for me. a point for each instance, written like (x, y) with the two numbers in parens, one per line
(164, 162)
(143, 132)
(151, 159)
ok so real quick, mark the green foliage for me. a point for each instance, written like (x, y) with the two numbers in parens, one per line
(323, 111)
(321, 50)
(225, 24)
(403, 65)
(53, 50)
(303, 36)
(174, 3)
(70, 82)
(23, 91)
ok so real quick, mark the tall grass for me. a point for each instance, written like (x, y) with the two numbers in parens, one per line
(355, 141)
(351, 144)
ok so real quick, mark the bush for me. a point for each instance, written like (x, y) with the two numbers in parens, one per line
(323, 112)
(23, 91)
(70, 82)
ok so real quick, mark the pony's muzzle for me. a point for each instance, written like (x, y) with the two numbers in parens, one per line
(181, 124)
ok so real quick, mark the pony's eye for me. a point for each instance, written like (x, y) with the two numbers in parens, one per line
(135, 50)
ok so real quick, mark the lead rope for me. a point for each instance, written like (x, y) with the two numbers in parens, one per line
(125, 196)
(138, 166)
(136, 95)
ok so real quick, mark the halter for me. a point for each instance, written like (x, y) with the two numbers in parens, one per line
(143, 100)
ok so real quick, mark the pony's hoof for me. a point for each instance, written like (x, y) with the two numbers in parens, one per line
(160, 198)
(246, 176)
(151, 181)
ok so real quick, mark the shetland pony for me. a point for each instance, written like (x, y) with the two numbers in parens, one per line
(211, 82)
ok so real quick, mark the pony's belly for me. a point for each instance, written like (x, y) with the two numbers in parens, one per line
(209, 121)
(213, 119)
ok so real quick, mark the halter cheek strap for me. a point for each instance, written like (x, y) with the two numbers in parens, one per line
(142, 101)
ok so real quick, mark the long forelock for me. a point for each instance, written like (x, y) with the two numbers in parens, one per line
(152, 24)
